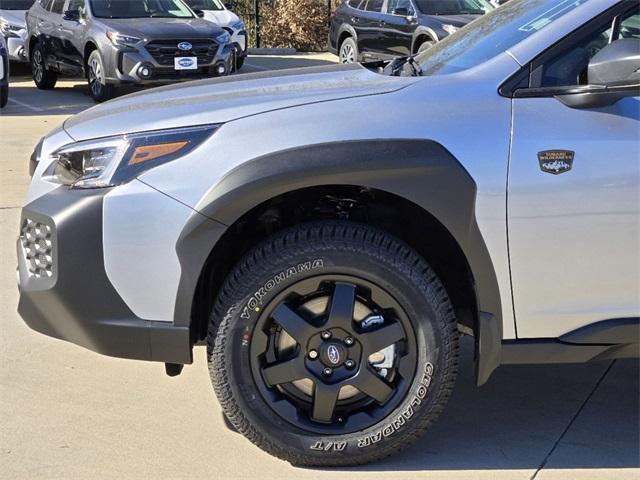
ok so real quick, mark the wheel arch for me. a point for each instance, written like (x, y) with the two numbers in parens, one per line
(419, 182)
(345, 32)
(420, 35)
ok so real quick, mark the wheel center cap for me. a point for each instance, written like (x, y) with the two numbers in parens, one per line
(333, 354)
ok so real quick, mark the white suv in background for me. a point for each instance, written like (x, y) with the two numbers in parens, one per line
(220, 13)
(13, 27)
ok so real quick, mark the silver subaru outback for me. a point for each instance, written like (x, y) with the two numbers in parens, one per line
(330, 232)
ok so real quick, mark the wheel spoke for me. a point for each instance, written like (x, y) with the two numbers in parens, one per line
(294, 324)
(324, 401)
(342, 304)
(371, 384)
(285, 372)
(376, 340)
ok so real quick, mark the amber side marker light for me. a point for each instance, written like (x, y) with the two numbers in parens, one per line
(151, 152)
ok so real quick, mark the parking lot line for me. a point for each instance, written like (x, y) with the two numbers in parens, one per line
(26, 105)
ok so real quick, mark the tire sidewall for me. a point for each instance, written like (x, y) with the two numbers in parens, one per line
(413, 411)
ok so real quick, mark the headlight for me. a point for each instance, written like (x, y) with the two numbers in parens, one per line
(110, 161)
(450, 29)
(223, 38)
(9, 30)
(122, 40)
(239, 25)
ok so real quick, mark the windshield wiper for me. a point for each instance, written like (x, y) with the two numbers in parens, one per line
(397, 65)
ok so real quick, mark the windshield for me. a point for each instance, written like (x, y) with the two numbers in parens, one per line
(205, 5)
(492, 34)
(454, 7)
(140, 9)
(15, 4)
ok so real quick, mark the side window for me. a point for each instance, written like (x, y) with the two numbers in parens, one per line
(374, 5)
(75, 5)
(56, 6)
(358, 4)
(393, 5)
(569, 66)
(630, 27)
(45, 4)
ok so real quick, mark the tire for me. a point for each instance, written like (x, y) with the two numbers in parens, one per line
(4, 95)
(348, 51)
(98, 88)
(425, 46)
(239, 63)
(43, 78)
(325, 263)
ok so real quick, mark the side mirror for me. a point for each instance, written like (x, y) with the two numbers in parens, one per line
(71, 15)
(613, 74)
(616, 64)
(403, 12)
(199, 13)
(230, 5)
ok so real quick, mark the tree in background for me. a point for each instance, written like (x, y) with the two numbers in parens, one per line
(299, 24)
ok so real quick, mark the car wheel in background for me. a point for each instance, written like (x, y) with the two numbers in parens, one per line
(4, 95)
(426, 45)
(332, 344)
(98, 87)
(348, 51)
(43, 78)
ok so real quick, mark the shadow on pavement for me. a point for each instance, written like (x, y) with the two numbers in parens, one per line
(516, 420)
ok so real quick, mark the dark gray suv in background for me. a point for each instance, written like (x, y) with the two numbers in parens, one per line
(111, 42)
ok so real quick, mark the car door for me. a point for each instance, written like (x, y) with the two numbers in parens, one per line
(369, 28)
(49, 27)
(71, 32)
(573, 194)
(399, 26)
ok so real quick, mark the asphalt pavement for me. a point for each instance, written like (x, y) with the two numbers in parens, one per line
(68, 413)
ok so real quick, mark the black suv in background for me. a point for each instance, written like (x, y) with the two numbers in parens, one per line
(382, 29)
(111, 42)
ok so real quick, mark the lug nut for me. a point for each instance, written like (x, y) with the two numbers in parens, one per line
(350, 364)
(327, 372)
(326, 335)
(349, 341)
(313, 354)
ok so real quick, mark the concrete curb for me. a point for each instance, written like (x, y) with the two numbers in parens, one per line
(271, 51)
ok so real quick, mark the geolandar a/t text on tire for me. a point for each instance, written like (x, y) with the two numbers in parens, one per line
(330, 232)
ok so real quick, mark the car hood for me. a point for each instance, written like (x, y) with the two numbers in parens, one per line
(224, 18)
(229, 98)
(156, 28)
(14, 17)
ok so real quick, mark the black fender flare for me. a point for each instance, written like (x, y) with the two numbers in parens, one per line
(422, 31)
(421, 171)
(345, 27)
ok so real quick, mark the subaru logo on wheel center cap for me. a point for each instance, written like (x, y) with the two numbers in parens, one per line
(185, 46)
(333, 354)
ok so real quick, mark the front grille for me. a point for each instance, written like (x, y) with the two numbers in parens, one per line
(37, 244)
(164, 51)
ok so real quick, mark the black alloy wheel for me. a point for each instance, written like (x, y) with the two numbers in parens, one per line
(339, 353)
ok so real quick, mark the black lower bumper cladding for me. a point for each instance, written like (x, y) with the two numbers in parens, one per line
(74, 300)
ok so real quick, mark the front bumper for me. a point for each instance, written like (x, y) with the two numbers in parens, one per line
(123, 65)
(64, 289)
(15, 48)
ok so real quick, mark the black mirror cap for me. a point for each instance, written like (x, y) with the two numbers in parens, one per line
(71, 15)
(597, 96)
(616, 64)
(229, 5)
(199, 13)
(401, 11)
